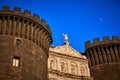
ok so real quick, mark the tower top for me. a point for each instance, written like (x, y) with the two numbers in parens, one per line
(66, 42)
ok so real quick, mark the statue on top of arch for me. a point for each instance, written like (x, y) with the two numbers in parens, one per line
(66, 42)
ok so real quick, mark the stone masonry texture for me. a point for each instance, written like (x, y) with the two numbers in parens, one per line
(26, 38)
(104, 58)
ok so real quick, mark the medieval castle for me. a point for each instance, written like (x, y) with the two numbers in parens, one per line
(26, 52)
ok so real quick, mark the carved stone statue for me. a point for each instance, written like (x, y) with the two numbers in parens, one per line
(73, 69)
(52, 64)
(66, 39)
(63, 67)
(83, 71)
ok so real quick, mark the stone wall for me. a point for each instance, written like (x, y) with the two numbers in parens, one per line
(104, 58)
(65, 63)
(24, 45)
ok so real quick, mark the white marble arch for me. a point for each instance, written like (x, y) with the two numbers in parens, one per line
(52, 63)
(73, 68)
(63, 66)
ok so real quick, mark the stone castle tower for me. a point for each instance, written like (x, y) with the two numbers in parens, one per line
(24, 45)
(104, 58)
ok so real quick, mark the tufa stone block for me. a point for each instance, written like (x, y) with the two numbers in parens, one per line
(27, 12)
(6, 8)
(87, 44)
(96, 40)
(115, 38)
(36, 16)
(17, 9)
(106, 39)
(43, 22)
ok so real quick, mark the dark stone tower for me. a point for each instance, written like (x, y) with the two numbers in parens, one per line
(24, 45)
(104, 58)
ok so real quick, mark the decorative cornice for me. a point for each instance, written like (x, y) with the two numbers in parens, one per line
(68, 75)
(52, 53)
(67, 50)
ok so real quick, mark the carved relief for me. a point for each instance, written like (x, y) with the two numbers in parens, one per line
(73, 68)
(68, 50)
(83, 70)
(63, 66)
(68, 63)
(53, 64)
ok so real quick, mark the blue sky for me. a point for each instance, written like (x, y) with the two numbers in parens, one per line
(82, 20)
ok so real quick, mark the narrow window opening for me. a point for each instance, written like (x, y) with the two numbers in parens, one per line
(18, 42)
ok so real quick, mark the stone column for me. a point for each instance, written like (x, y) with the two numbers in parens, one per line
(119, 51)
(88, 56)
(26, 29)
(8, 25)
(14, 29)
(108, 54)
(0, 26)
(13, 26)
(100, 55)
(30, 32)
(112, 54)
(22, 30)
(116, 53)
(4, 25)
(92, 57)
(40, 37)
(45, 38)
(34, 28)
(95, 56)
(35, 32)
(104, 55)
(17, 27)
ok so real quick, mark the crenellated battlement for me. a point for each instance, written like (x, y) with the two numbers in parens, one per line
(102, 52)
(106, 40)
(26, 14)
(24, 38)
(18, 10)
(24, 25)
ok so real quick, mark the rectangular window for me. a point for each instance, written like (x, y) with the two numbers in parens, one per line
(16, 61)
